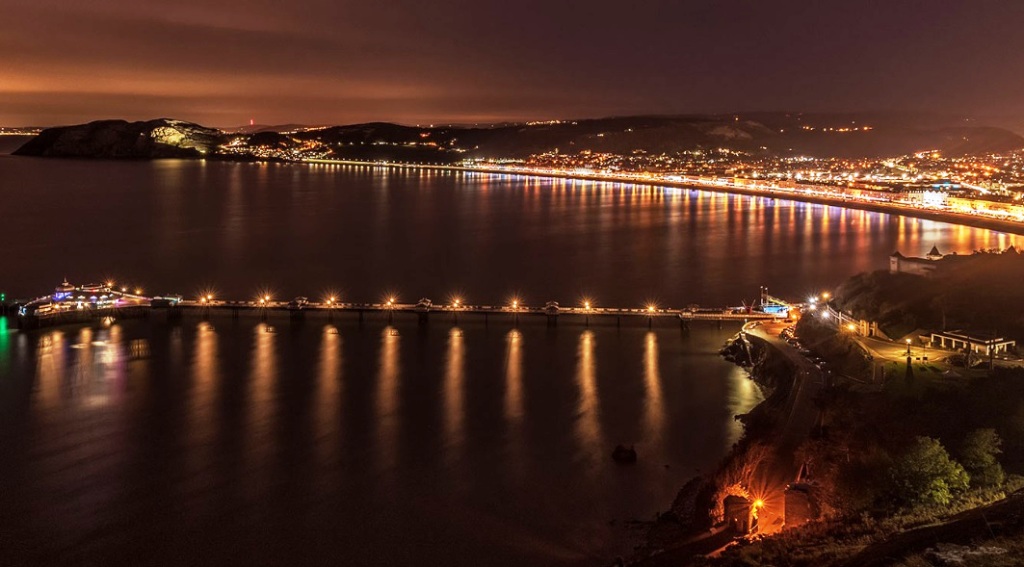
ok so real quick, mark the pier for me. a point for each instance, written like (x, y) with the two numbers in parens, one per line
(69, 304)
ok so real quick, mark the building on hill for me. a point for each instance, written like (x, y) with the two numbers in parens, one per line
(936, 261)
(977, 342)
(900, 264)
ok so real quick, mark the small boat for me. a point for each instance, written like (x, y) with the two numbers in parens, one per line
(623, 454)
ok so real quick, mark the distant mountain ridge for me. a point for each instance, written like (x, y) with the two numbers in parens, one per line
(818, 135)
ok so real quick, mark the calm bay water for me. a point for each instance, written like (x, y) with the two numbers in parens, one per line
(249, 442)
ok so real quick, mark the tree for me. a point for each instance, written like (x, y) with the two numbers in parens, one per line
(978, 456)
(925, 474)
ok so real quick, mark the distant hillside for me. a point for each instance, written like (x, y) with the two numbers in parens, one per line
(159, 138)
(820, 135)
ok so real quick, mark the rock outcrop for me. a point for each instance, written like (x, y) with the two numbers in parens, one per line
(161, 138)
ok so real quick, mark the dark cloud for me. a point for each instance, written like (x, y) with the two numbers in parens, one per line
(317, 61)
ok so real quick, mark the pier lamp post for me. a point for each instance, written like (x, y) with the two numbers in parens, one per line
(650, 315)
(908, 347)
(390, 306)
(586, 309)
(456, 303)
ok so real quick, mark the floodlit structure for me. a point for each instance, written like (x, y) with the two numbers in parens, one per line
(981, 343)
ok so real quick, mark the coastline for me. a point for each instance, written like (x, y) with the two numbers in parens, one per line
(692, 525)
(949, 217)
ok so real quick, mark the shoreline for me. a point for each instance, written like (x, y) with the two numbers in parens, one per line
(689, 528)
(954, 218)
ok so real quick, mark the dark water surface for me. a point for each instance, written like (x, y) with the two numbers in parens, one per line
(288, 442)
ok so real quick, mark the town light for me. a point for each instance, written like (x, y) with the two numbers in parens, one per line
(586, 305)
(650, 308)
(456, 302)
(824, 295)
(850, 327)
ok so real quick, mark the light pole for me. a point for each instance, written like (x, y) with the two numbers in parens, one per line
(908, 348)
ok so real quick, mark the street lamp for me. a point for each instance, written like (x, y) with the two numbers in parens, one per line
(908, 347)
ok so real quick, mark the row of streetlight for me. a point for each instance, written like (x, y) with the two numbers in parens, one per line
(391, 301)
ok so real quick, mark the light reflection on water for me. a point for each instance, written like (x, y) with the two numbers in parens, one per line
(287, 426)
(388, 393)
(653, 405)
(588, 422)
(235, 224)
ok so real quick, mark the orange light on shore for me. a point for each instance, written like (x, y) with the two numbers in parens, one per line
(650, 308)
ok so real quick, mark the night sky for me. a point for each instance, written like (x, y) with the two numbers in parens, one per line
(224, 62)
